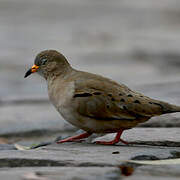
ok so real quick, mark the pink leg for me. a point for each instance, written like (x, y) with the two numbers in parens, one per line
(74, 138)
(114, 141)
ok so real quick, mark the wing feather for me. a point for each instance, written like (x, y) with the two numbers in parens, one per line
(106, 99)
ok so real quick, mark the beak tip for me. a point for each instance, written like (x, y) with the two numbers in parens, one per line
(29, 72)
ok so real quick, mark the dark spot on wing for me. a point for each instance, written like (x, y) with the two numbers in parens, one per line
(82, 95)
(97, 93)
(137, 101)
(120, 94)
(124, 107)
(110, 95)
(112, 99)
(122, 100)
(159, 105)
(130, 95)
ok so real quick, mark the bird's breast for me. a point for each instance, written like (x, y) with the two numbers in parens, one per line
(60, 93)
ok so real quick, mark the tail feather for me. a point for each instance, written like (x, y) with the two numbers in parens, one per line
(170, 108)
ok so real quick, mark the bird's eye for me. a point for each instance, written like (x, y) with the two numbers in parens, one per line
(43, 61)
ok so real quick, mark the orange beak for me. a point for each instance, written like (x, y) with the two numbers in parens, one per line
(33, 69)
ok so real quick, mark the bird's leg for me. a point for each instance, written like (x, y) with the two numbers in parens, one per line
(74, 138)
(114, 141)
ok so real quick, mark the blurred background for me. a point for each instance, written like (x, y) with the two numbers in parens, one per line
(133, 42)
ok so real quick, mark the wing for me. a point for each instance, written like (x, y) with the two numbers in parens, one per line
(105, 99)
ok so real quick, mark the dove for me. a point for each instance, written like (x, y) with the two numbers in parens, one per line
(94, 103)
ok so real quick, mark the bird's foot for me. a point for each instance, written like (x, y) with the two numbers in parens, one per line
(125, 142)
(113, 142)
(106, 142)
(77, 138)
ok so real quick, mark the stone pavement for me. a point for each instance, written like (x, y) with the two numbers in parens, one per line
(90, 161)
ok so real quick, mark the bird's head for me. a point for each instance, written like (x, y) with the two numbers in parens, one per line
(48, 63)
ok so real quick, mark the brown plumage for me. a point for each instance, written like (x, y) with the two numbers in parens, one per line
(94, 103)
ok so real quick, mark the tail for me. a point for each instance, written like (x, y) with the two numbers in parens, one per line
(170, 108)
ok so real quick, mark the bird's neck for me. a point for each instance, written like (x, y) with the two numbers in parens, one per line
(58, 85)
(59, 73)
